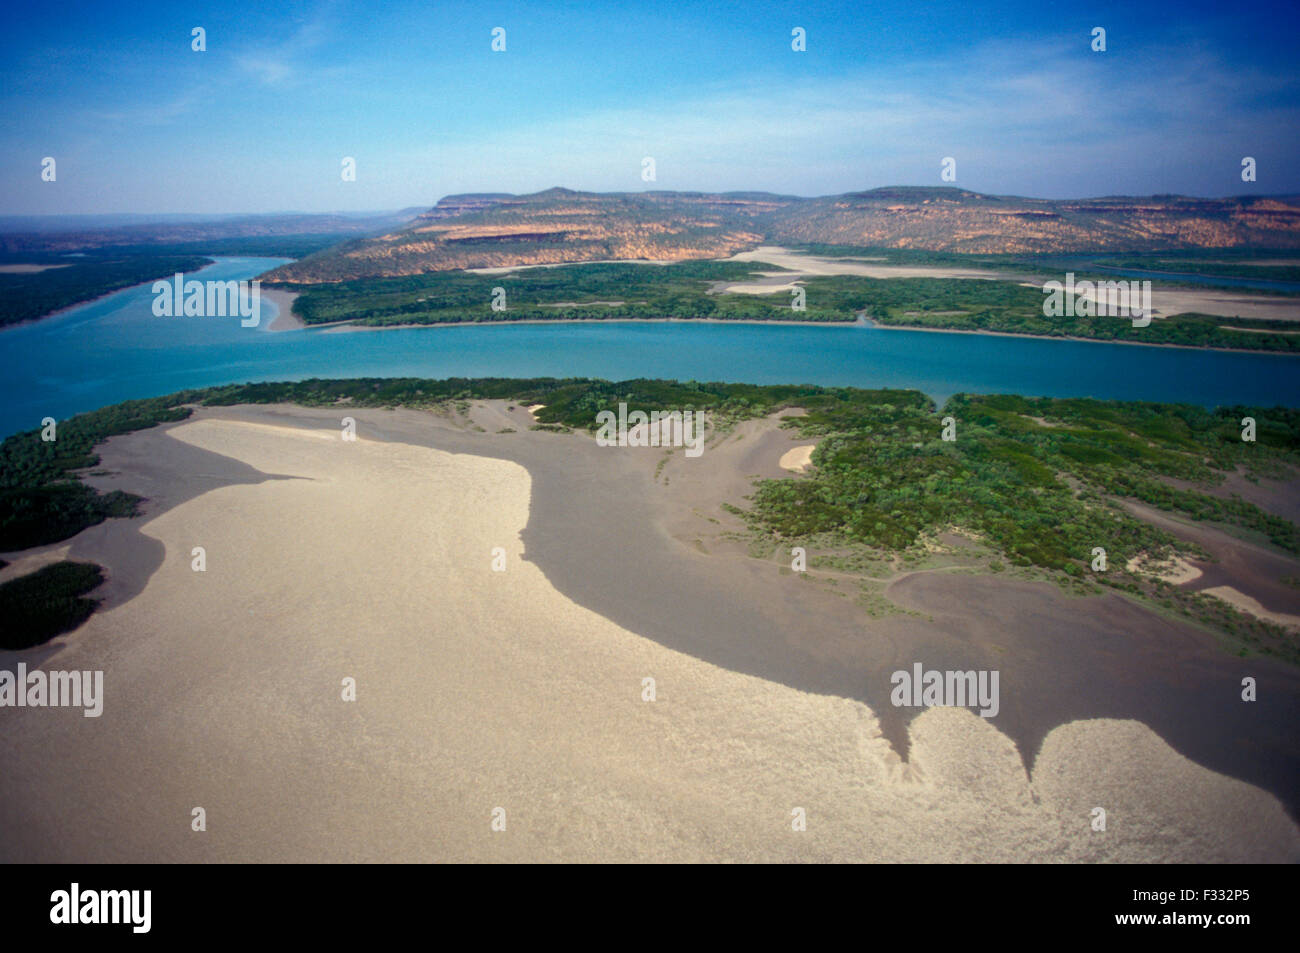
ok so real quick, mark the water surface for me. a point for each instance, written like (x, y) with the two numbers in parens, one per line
(116, 348)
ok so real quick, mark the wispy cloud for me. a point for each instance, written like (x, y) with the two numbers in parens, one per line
(148, 114)
(1017, 122)
(276, 64)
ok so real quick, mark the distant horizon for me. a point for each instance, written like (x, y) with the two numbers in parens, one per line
(147, 217)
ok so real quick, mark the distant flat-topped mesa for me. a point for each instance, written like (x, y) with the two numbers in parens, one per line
(551, 227)
(559, 225)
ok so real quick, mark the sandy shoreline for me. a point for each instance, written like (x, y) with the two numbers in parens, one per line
(347, 326)
(27, 269)
(291, 322)
(285, 319)
(1067, 337)
(1245, 603)
(479, 689)
(339, 327)
(335, 327)
(75, 305)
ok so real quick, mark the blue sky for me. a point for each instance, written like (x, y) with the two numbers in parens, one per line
(138, 122)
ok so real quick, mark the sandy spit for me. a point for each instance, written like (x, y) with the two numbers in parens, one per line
(26, 269)
(1248, 604)
(285, 319)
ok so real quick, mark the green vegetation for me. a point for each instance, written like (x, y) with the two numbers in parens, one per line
(1224, 262)
(100, 271)
(25, 297)
(1036, 481)
(37, 607)
(1010, 308)
(547, 294)
(41, 499)
(1037, 491)
(691, 290)
(1030, 474)
(570, 402)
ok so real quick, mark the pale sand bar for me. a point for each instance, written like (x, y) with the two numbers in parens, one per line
(1165, 301)
(480, 689)
(285, 319)
(798, 458)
